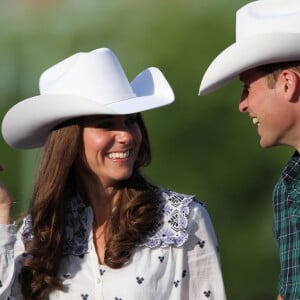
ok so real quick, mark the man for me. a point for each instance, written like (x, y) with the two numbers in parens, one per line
(266, 58)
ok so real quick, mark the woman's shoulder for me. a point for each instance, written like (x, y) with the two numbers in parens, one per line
(176, 198)
(186, 204)
(178, 211)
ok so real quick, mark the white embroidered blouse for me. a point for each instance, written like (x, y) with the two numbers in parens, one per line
(180, 261)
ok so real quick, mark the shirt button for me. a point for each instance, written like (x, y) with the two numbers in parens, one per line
(98, 280)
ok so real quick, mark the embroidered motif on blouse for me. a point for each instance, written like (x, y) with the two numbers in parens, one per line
(173, 229)
(170, 230)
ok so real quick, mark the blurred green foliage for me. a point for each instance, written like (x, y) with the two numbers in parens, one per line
(201, 146)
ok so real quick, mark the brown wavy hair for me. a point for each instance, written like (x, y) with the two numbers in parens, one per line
(133, 219)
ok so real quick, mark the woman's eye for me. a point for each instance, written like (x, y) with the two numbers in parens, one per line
(104, 125)
(131, 120)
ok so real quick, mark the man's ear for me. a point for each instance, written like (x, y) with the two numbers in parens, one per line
(289, 82)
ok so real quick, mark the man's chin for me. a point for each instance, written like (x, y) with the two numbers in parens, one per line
(268, 144)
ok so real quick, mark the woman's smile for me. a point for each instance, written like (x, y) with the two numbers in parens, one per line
(119, 155)
(112, 144)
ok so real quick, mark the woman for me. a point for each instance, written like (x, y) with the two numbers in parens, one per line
(96, 228)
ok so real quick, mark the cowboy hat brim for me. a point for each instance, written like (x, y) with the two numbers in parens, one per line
(27, 124)
(249, 53)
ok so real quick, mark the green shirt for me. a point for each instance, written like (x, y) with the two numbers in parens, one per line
(286, 226)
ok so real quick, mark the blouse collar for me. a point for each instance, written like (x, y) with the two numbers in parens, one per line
(170, 229)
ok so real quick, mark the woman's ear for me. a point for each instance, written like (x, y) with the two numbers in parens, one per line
(289, 82)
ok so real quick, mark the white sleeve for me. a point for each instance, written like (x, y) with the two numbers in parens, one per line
(11, 246)
(206, 281)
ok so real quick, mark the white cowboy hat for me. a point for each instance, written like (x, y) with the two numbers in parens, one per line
(267, 31)
(84, 84)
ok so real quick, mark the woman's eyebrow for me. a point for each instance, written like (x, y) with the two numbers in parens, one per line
(98, 118)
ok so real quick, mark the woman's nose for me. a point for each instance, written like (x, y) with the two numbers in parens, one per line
(124, 136)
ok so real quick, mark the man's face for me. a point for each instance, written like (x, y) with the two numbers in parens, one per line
(268, 108)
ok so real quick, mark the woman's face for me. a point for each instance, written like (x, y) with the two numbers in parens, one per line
(111, 146)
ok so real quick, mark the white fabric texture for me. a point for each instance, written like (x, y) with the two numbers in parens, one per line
(180, 261)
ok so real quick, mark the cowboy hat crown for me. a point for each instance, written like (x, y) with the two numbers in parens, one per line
(91, 83)
(267, 31)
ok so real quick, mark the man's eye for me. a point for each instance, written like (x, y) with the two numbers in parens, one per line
(245, 90)
(246, 86)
